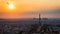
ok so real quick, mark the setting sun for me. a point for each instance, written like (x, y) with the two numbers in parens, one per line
(11, 6)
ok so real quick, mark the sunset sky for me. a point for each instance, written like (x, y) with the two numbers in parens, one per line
(22, 8)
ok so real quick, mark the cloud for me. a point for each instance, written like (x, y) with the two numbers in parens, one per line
(55, 11)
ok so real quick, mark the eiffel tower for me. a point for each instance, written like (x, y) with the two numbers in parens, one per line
(43, 28)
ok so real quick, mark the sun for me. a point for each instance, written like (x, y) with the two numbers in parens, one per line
(11, 6)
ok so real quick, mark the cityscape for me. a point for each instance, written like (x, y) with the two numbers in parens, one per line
(30, 26)
(29, 16)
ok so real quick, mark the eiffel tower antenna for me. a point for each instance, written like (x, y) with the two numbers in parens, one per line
(40, 19)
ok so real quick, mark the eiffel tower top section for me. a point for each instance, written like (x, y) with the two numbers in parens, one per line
(40, 19)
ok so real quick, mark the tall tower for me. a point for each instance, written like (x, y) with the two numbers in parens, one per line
(40, 19)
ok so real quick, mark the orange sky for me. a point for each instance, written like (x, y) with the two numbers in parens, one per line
(22, 6)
